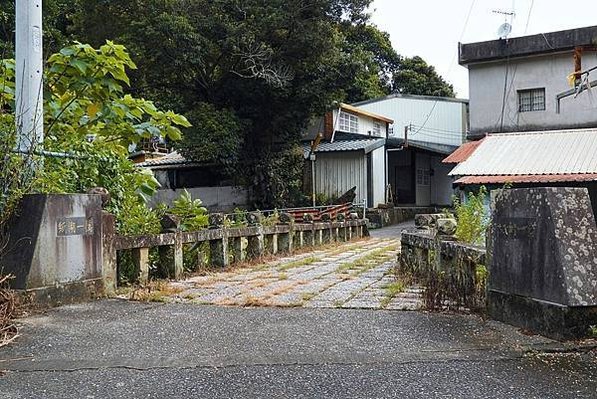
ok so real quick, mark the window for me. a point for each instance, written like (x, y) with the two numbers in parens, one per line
(423, 177)
(376, 129)
(531, 100)
(349, 123)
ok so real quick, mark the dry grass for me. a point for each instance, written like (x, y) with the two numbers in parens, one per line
(9, 307)
(155, 291)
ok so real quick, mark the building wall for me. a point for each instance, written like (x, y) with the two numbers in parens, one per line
(378, 163)
(215, 199)
(486, 87)
(447, 124)
(365, 124)
(441, 183)
(336, 173)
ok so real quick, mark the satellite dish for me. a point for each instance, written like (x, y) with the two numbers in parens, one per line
(504, 30)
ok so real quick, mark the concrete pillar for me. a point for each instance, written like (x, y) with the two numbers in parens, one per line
(326, 236)
(178, 258)
(319, 237)
(255, 246)
(219, 252)
(109, 259)
(301, 239)
(271, 244)
(309, 238)
(285, 242)
(141, 261)
(238, 249)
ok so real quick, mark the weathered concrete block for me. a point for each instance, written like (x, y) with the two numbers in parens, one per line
(254, 218)
(56, 241)
(446, 226)
(427, 220)
(216, 220)
(141, 260)
(170, 223)
(256, 245)
(285, 218)
(543, 261)
(285, 242)
(219, 252)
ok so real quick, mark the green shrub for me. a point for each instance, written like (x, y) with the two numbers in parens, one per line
(472, 217)
(193, 216)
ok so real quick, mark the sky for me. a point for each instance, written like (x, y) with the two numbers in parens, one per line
(433, 28)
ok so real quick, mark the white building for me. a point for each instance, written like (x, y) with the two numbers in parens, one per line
(517, 84)
(425, 130)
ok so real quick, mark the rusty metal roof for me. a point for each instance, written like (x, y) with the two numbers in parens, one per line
(556, 152)
(463, 152)
(503, 179)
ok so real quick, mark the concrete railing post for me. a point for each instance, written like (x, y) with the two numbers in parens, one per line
(141, 261)
(109, 258)
(219, 250)
(256, 245)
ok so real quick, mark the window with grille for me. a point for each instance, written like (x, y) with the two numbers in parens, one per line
(376, 129)
(531, 100)
(349, 123)
(423, 177)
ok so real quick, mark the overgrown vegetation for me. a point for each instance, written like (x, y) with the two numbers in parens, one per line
(249, 75)
(454, 282)
(472, 217)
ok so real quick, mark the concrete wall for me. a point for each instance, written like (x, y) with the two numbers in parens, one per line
(378, 162)
(447, 124)
(486, 86)
(215, 199)
(336, 173)
(55, 242)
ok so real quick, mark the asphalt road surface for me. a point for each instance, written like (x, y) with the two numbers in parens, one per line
(120, 349)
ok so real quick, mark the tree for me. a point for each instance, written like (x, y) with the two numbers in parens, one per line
(415, 76)
(268, 66)
(88, 116)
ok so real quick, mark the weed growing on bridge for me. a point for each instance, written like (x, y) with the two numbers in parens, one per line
(298, 263)
(391, 290)
(367, 262)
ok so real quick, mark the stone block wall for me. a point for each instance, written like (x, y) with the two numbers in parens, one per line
(452, 274)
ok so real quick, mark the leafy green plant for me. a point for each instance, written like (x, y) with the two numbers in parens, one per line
(236, 219)
(272, 219)
(193, 216)
(472, 217)
(88, 116)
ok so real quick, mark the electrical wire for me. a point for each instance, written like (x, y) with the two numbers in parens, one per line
(466, 21)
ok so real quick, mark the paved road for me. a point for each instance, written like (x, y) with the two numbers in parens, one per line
(120, 349)
(123, 349)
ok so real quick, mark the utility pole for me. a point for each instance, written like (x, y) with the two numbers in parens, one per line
(29, 75)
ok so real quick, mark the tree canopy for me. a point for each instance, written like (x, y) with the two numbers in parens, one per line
(249, 74)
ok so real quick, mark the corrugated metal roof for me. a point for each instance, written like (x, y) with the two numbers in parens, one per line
(463, 152)
(503, 179)
(367, 146)
(533, 153)
(174, 158)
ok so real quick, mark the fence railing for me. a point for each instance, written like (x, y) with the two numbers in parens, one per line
(224, 246)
